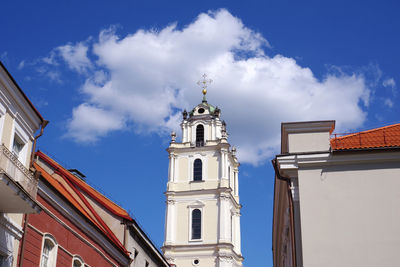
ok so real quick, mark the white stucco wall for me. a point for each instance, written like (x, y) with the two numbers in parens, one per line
(350, 214)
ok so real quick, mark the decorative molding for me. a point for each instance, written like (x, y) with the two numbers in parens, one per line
(225, 258)
(289, 164)
(196, 204)
(170, 260)
(170, 202)
(224, 197)
(12, 228)
(14, 159)
(236, 213)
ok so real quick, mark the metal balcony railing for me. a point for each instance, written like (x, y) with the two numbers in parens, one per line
(10, 165)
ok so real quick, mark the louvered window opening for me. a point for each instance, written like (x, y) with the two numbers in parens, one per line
(200, 135)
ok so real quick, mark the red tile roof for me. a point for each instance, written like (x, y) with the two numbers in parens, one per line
(384, 137)
(71, 187)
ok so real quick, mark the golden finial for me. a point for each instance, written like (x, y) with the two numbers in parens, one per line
(203, 84)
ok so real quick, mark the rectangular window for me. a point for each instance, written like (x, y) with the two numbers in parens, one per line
(18, 145)
(147, 264)
(196, 224)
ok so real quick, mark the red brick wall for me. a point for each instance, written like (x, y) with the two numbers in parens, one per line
(64, 237)
(32, 247)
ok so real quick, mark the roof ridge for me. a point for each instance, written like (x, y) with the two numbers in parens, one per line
(367, 131)
(74, 186)
(93, 196)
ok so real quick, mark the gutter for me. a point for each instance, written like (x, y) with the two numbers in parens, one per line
(291, 208)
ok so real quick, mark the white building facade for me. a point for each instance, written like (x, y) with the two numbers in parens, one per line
(336, 200)
(202, 225)
(19, 121)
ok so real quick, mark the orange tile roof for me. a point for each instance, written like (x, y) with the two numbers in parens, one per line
(384, 137)
(69, 186)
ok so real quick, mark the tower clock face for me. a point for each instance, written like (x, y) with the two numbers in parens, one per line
(201, 110)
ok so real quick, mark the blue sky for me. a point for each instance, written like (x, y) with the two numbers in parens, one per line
(112, 78)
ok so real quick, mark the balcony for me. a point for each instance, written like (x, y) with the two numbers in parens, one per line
(18, 187)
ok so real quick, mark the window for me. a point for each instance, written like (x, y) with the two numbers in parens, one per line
(147, 264)
(18, 145)
(49, 252)
(77, 263)
(196, 224)
(200, 135)
(197, 170)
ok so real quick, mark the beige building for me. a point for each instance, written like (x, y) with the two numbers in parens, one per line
(19, 120)
(202, 225)
(337, 200)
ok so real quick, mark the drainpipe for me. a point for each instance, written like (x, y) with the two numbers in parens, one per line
(21, 255)
(291, 209)
(43, 125)
(26, 216)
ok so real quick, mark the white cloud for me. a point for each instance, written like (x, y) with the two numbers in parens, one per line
(21, 65)
(388, 102)
(146, 78)
(389, 83)
(90, 122)
(76, 56)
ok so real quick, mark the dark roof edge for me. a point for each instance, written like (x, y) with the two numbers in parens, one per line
(22, 92)
(145, 237)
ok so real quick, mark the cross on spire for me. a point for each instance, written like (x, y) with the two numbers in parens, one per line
(204, 84)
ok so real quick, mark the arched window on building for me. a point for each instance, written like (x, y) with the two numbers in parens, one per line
(197, 170)
(196, 224)
(49, 251)
(200, 135)
(77, 262)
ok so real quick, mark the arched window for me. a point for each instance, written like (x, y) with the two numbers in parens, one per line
(196, 224)
(197, 170)
(49, 252)
(77, 262)
(200, 135)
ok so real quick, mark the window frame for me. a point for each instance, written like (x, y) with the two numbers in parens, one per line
(193, 129)
(201, 171)
(200, 206)
(192, 158)
(200, 143)
(52, 259)
(192, 224)
(3, 112)
(78, 258)
(23, 137)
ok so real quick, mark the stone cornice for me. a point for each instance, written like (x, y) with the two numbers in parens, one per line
(14, 229)
(290, 163)
(203, 246)
(224, 191)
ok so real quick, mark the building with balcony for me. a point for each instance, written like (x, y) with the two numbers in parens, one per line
(19, 121)
(336, 200)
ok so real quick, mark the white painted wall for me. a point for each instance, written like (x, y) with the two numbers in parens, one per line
(350, 215)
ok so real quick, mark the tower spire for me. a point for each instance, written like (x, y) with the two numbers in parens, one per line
(204, 84)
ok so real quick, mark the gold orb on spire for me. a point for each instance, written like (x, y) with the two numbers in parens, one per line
(204, 84)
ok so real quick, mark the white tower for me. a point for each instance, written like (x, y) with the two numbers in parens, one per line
(202, 226)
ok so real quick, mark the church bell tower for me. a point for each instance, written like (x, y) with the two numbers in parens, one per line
(202, 225)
